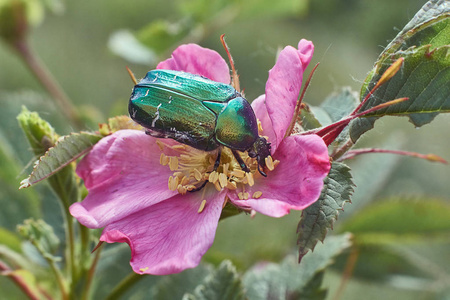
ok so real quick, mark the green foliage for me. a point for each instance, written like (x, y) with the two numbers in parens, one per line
(66, 150)
(290, 280)
(42, 236)
(175, 286)
(424, 44)
(222, 284)
(318, 218)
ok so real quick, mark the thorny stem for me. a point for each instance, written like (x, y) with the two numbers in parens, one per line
(124, 286)
(431, 157)
(44, 76)
(18, 280)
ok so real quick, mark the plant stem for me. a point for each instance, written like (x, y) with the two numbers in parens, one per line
(18, 280)
(124, 285)
(90, 274)
(348, 271)
(47, 80)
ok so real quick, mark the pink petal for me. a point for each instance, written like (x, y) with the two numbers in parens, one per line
(123, 175)
(296, 182)
(284, 85)
(170, 236)
(259, 107)
(194, 59)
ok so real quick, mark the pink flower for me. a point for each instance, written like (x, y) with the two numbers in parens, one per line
(169, 229)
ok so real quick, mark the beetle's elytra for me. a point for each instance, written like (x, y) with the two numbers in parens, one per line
(198, 112)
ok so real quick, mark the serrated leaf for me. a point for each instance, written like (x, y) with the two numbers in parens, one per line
(431, 10)
(66, 149)
(175, 286)
(223, 284)
(318, 218)
(424, 79)
(290, 280)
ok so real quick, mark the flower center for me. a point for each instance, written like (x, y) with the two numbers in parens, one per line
(193, 169)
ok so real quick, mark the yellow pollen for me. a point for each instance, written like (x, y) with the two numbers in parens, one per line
(181, 189)
(223, 180)
(184, 180)
(257, 194)
(276, 162)
(173, 183)
(238, 173)
(243, 195)
(231, 185)
(213, 177)
(163, 159)
(202, 206)
(173, 163)
(250, 179)
(225, 169)
(197, 175)
(269, 163)
(143, 269)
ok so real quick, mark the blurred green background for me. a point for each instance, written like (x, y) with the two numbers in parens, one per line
(348, 36)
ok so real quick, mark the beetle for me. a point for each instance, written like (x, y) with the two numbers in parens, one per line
(198, 112)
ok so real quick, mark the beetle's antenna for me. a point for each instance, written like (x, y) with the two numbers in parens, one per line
(131, 75)
(234, 75)
(299, 102)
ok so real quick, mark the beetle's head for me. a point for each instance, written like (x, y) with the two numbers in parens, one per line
(260, 150)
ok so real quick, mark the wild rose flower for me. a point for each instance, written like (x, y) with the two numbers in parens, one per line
(138, 185)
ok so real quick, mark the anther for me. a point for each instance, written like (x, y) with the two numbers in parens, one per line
(269, 163)
(223, 180)
(160, 145)
(163, 159)
(257, 194)
(173, 163)
(213, 177)
(250, 179)
(197, 175)
(238, 173)
(202, 206)
(181, 189)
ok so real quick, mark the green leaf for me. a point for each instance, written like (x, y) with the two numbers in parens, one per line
(423, 79)
(432, 12)
(223, 284)
(175, 286)
(67, 149)
(42, 137)
(290, 280)
(424, 43)
(321, 215)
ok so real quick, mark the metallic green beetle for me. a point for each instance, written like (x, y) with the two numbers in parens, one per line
(198, 112)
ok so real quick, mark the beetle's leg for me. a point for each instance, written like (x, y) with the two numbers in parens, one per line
(216, 165)
(240, 161)
(261, 171)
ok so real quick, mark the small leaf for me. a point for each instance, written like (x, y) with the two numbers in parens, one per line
(67, 149)
(223, 284)
(321, 215)
(10, 239)
(289, 280)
